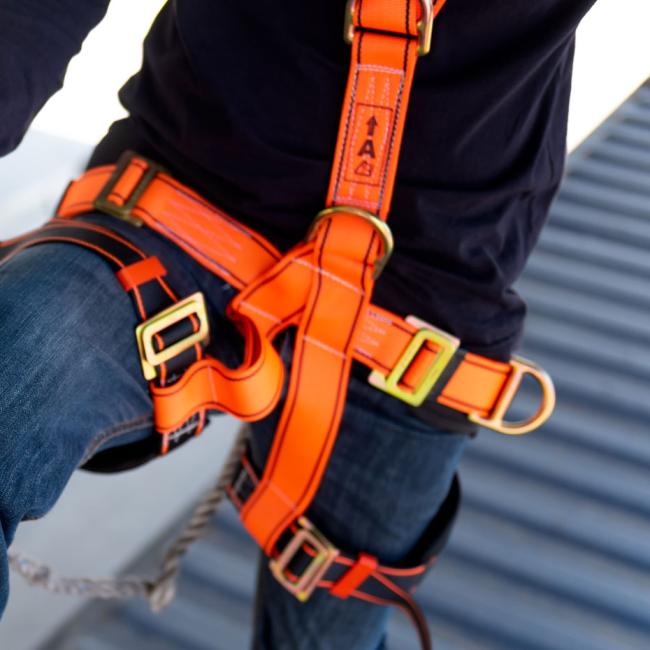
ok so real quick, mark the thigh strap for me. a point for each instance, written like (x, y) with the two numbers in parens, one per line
(305, 561)
(143, 278)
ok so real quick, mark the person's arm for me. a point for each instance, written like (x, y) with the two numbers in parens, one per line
(37, 40)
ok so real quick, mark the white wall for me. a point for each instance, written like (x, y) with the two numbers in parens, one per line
(88, 104)
(612, 60)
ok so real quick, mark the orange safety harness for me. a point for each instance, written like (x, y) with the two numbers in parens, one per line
(323, 288)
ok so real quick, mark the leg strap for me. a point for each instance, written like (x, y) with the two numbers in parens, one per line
(304, 560)
(142, 277)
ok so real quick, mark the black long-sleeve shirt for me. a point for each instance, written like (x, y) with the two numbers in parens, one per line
(242, 101)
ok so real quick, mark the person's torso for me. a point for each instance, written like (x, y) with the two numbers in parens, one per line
(242, 101)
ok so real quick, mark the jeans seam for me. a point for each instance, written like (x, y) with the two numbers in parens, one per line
(112, 432)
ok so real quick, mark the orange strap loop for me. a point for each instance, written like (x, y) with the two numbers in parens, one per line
(356, 576)
(140, 273)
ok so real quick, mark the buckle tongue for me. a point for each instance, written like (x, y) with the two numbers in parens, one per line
(303, 585)
(447, 346)
(496, 420)
(150, 358)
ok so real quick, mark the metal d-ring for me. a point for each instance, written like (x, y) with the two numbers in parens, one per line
(380, 226)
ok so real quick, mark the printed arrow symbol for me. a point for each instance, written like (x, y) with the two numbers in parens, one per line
(372, 125)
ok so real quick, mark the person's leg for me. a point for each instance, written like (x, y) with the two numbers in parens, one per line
(70, 376)
(388, 475)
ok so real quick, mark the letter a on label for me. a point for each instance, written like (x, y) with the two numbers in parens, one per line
(368, 149)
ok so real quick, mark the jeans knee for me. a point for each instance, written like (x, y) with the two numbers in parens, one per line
(69, 370)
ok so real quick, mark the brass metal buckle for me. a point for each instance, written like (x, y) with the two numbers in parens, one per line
(496, 420)
(380, 226)
(425, 25)
(145, 332)
(123, 212)
(302, 586)
(447, 346)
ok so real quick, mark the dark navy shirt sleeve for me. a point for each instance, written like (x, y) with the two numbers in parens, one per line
(37, 40)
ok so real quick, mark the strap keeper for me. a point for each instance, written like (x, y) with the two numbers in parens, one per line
(140, 273)
(358, 573)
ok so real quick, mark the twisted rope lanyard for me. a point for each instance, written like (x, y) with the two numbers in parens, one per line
(159, 590)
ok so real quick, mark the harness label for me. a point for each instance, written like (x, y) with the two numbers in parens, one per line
(368, 144)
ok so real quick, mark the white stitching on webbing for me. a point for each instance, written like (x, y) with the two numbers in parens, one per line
(365, 354)
(391, 148)
(208, 210)
(380, 317)
(259, 311)
(174, 436)
(223, 242)
(380, 68)
(352, 201)
(329, 275)
(348, 119)
(267, 484)
(197, 209)
(323, 346)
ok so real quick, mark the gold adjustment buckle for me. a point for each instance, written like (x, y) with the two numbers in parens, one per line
(496, 420)
(447, 346)
(380, 226)
(145, 332)
(123, 212)
(425, 25)
(303, 585)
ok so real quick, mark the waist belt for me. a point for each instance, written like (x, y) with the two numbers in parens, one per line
(323, 288)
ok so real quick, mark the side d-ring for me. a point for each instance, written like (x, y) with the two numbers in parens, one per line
(496, 420)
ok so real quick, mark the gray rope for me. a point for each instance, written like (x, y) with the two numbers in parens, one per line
(161, 589)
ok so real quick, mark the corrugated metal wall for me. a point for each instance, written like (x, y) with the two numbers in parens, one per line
(552, 551)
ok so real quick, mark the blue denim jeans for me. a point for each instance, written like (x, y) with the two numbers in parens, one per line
(71, 384)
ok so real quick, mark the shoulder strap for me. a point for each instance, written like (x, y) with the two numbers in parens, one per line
(386, 36)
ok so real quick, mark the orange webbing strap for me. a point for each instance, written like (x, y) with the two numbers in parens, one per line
(346, 248)
(249, 392)
(374, 114)
(386, 37)
(474, 386)
(341, 283)
(229, 249)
